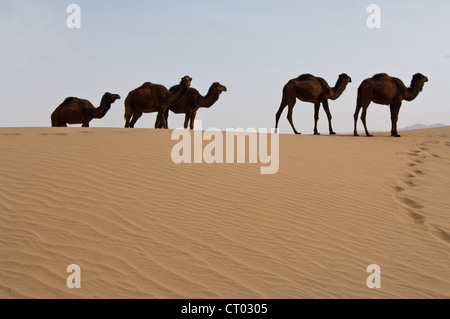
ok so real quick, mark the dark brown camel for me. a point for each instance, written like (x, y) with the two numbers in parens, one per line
(191, 102)
(151, 98)
(386, 90)
(309, 88)
(78, 111)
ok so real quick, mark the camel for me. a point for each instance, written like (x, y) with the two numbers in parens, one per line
(386, 90)
(78, 111)
(150, 98)
(191, 103)
(309, 88)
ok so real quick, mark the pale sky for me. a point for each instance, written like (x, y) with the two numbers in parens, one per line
(251, 46)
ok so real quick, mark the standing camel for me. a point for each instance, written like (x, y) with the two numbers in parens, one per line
(386, 90)
(151, 98)
(191, 102)
(78, 111)
(309, 88)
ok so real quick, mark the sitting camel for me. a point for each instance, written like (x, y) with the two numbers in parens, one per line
(78, 111)
(309, 88)
(191, 102)
(386, 90)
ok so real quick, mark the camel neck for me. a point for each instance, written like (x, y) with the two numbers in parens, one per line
(101, 111)
(413, 91)
(209, 99)
(338, 89)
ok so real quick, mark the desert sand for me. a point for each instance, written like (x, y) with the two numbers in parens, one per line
(139, 226)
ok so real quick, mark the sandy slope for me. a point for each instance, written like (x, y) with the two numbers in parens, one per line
(139, 226)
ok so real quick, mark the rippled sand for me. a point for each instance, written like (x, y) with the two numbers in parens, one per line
(140, 226)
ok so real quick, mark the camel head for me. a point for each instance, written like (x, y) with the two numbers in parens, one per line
(186, 81)
(419, 80)
(219, 87)
(111, 98)
(107, 100)
(345, 78)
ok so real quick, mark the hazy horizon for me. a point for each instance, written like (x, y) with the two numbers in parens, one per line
(252, 47)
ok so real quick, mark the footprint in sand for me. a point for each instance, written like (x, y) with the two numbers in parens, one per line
(410, 203)
(409, 175)
(435, 142)
(420, 153)
(441, 234)
(408, 207)
(409, 183)
(399, 189)
(417, 218)
(417, 154)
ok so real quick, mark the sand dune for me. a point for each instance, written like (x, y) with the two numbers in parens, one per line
(112, 201)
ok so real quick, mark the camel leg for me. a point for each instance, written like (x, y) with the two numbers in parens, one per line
(356, 117)
(86, 124)
(193, 115)
(359, 105)
(330, 117)
(136, 117)
(128, 116)
(280, 111)
(316, 117)
(290, 113)
(186, 120)
(395, 109)
(56, 122)
(59, 124)
(158, 121)
(363, 118)
(166, 114)
(163, 120)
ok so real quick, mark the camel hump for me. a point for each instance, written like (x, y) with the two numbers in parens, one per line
(306, 77)
(381, 77)
(146, 85)
(70, 100)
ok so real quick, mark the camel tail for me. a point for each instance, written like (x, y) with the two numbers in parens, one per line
(127, 107)
(283, 105)
(359, 98)
(128, 112)
(359, 103)
(283, 99)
